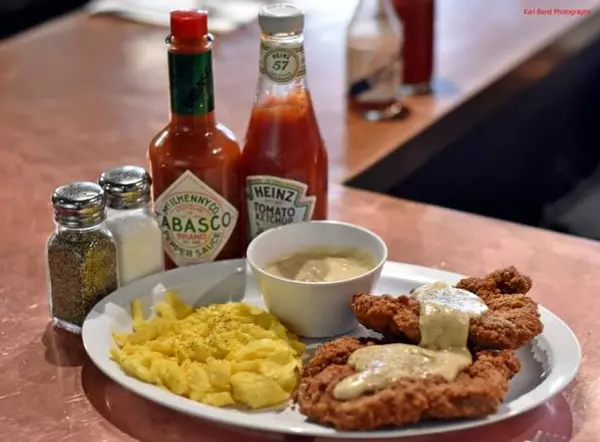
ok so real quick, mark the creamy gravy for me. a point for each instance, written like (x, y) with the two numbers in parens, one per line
(322, 265)
(444, 317)
(379, 365)
(445, 312)
(445, 295)
(442, 328)
(438, 285)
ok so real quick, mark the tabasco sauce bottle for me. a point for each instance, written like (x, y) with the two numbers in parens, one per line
(195, 161)
(284, 159)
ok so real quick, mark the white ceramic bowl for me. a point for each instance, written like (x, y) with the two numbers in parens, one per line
(313, 309)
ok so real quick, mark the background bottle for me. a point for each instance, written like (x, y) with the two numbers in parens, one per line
(284, 158)
(417, 52)
(374, 42)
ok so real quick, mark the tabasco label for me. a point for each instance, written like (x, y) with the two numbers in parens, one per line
(273, 201)
(196, 221)
(191, 81)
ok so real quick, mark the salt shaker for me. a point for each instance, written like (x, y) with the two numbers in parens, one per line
(132, 222)
(81, 254)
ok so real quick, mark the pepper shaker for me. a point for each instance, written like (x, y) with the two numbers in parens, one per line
(132, 223)
(81, 254)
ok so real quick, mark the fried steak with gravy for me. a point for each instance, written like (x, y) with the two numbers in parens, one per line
(477, 391)
(512, 320)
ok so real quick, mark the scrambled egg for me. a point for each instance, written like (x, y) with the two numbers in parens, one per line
(223, 354)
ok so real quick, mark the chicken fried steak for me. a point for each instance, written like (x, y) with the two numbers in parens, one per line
(476, 391)
(511, 321)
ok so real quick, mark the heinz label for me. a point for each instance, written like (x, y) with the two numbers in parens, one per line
(196, 221)
(273, 201)
(282, 64)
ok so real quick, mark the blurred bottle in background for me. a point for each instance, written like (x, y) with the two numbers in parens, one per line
(374, 42)
(417, 53)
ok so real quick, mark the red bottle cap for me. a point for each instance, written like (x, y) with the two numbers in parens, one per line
(189, 24)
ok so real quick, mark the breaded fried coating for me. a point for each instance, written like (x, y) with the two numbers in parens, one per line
(506, 281)
(334, 352)
(476, 392)
(512, 320)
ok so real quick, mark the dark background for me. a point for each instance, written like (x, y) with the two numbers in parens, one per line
(532, 158)
(532, 152)
(18, 15)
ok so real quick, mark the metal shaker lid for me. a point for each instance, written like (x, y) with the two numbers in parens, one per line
(79, 204)
(281, 18)
(126, 187)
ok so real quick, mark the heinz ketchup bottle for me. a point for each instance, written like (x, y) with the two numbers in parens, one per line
(284, 159)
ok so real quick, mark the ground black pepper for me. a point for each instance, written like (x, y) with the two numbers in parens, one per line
(83, 269)
(82, 254)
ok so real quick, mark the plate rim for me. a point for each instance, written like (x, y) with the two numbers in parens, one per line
(563, 370)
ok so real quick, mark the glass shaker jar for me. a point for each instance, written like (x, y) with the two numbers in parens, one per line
(81, 254)
(132, 223)
(374, 42)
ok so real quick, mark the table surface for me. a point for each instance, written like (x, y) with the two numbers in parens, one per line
(83, 94)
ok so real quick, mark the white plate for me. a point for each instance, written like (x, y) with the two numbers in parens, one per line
(549, 364)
